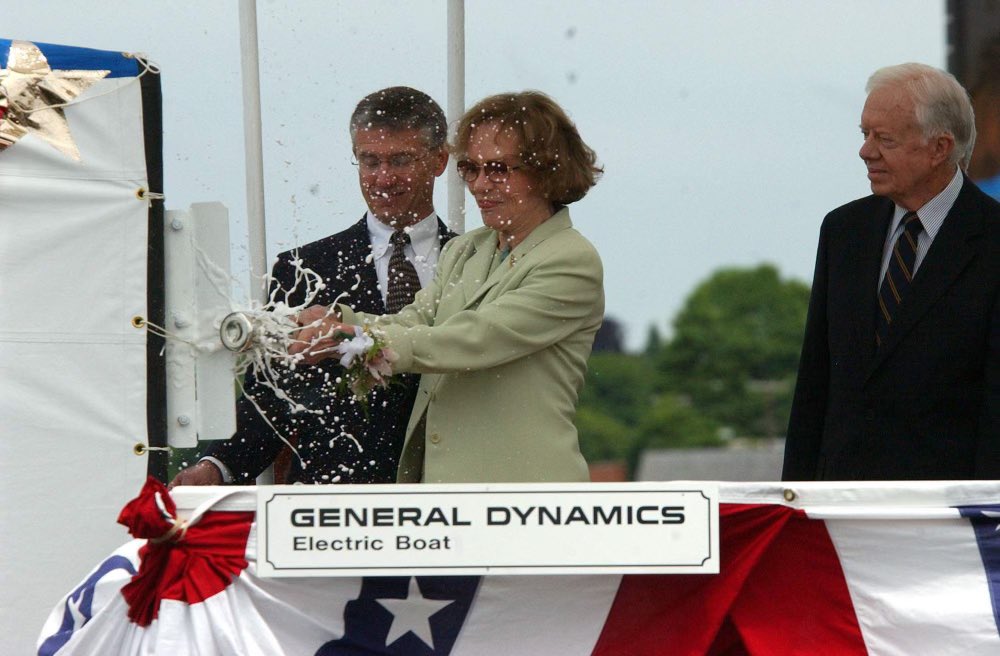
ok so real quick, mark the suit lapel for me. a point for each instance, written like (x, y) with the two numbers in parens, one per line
(476, 273)
(444, 234)
(949, 254)
(554, 224)
(357, 263)
(868, 265)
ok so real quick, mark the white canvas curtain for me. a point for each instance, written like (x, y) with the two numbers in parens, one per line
(72, 366)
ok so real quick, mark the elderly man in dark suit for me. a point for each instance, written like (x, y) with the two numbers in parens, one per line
(398, 137)
(900, 370)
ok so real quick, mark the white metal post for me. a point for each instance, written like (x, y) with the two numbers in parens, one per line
(456, 107)
(254, 150)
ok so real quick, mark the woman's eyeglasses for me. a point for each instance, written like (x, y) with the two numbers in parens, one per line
(496, 172)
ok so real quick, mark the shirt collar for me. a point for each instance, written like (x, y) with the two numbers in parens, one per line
(933, 213)
(423, 235)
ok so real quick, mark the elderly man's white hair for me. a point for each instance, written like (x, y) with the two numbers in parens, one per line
(942, 104)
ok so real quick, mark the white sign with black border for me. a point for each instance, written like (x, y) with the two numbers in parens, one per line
(510, 528)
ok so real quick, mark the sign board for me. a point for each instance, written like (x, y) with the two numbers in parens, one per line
(511, 528)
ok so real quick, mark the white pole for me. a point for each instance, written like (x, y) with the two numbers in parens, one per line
(253, 148)
(456, 107)
(254, 152)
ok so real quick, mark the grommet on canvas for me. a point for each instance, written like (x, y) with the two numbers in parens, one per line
(147, 196)
(138, 322)
(139, 449)
(789, 495)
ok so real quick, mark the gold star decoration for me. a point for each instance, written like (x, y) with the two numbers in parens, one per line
(32, 97)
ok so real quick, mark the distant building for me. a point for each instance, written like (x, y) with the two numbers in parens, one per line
(760, 461)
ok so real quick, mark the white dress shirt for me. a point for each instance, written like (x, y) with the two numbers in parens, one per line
(422, 251)
(931, 217)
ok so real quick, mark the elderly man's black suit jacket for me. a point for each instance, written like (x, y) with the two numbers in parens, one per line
(347, 444)
(926, 404)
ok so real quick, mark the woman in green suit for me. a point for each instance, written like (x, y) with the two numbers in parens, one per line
(502, 335)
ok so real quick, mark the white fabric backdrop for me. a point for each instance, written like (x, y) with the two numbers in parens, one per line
(72, 367)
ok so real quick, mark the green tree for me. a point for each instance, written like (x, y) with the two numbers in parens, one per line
(654, 342)
(602, 437)
(672, 423)
(620, 386)
(616, 395)
(735, 348)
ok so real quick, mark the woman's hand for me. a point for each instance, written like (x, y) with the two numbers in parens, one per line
(320, 334)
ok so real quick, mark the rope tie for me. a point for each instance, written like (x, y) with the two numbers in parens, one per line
(179, 527)
(176, 525)
(148, 196)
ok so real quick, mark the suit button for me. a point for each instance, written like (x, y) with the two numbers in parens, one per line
(870, 414)
(435, 438)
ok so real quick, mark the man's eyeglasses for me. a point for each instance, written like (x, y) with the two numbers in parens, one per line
(496, 172)
(396, 162)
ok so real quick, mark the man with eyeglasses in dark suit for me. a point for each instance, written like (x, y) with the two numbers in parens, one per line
(398, 136)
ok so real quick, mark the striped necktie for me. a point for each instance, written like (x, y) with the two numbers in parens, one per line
(403, 281)
(898, 275)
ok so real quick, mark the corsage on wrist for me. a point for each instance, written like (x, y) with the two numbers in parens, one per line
(367, 361)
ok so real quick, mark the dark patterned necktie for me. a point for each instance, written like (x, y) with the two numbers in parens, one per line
(898, 275)
(403, 281)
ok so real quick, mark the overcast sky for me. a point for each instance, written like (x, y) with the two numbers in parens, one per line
(727, 129)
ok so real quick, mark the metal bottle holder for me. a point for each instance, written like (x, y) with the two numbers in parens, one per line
(237, 332)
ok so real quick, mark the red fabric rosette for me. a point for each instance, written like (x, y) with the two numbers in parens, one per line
(181, 562)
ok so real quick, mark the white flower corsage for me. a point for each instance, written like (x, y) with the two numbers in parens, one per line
(367, 362)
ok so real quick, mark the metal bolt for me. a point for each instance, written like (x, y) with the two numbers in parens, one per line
(177, 224)
(183, 420)
(180, 321)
